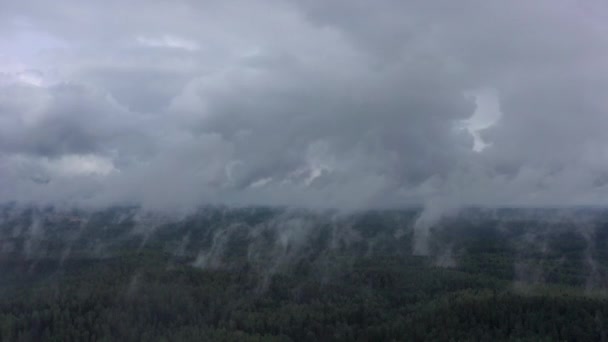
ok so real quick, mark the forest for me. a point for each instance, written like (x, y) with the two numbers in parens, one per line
(278, 274)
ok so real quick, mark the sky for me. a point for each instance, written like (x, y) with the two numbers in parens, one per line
(311, 103)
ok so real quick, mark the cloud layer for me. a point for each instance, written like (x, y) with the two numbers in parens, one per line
(308, 103)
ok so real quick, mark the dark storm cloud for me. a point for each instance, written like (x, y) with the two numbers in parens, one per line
(64, 119)
(314, 103)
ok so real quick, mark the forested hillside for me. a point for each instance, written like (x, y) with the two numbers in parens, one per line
(262, 274)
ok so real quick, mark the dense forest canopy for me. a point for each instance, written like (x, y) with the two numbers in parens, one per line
(272, 274)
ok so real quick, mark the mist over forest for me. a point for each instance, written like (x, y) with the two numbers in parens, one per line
(289, 170)
(268, 273)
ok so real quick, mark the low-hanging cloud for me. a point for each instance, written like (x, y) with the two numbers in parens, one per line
(349, 104)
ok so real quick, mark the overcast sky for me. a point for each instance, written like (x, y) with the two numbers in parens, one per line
(321, 103)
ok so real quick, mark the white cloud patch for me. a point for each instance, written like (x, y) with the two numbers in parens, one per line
(168, 41)
(81, 165)
(487, 113)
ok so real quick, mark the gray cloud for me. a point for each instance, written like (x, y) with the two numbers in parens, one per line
(316, 103)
